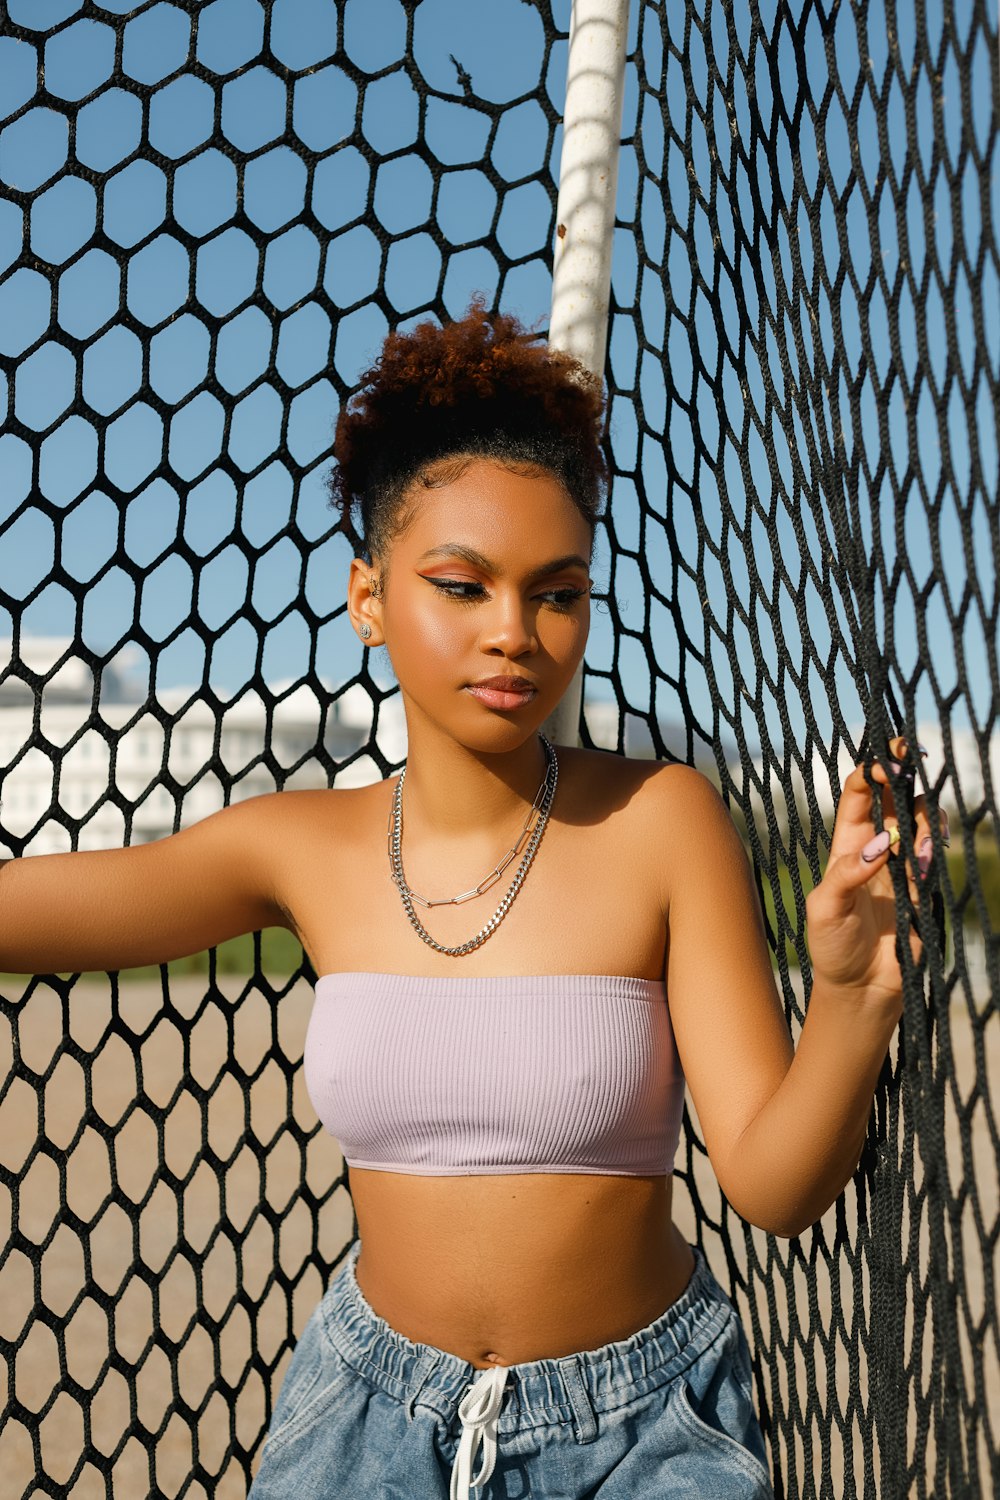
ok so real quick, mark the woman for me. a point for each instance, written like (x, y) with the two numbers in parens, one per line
(515, 985)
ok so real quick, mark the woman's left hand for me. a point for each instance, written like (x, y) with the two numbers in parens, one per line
(851, 914)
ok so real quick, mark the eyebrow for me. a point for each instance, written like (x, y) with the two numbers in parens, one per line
(470, 555)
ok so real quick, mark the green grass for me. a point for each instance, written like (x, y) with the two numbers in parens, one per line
(280, 955)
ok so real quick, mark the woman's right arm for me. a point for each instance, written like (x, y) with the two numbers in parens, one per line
(123, 908)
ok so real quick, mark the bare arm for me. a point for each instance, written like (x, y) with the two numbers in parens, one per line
(123, 908)
(803, 1147)
(727, 1017)
(784, 1130)
(856, 1000)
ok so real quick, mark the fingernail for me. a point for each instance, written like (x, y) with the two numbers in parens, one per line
(925, 854)
(923, 750)
(876, 846)
(899, 769)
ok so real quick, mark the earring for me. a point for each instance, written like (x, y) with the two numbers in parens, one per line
(365, 632)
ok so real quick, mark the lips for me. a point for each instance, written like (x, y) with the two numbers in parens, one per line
(503, 692)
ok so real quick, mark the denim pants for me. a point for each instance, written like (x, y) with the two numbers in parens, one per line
(365, 1414)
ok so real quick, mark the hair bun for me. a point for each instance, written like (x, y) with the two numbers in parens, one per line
(483, 384)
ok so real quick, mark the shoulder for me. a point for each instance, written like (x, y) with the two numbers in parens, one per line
(665, 787)
(323, 829)
(290, 815)
(684, 791)
(687, 807)
(670, 818)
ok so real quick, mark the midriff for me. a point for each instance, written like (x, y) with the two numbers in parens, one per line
(510, 1268)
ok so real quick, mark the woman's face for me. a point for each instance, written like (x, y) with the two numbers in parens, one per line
(488, 578)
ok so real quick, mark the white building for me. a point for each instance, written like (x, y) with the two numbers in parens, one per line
(247, 749)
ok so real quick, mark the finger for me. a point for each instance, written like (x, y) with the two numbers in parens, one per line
(924, 820)
(874, 857)
(879, 849)
(896, 849)
(899, 750)
(901, 764)
(845, 876)
(924, 843)
(853, 826)
(899, 791)
(902, 767)
(901, 760)
(855, 804)
(854, 811)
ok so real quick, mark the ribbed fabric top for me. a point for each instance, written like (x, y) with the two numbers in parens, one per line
(511, 1073)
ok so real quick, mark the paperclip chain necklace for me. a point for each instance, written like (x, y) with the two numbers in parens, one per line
(541, 806)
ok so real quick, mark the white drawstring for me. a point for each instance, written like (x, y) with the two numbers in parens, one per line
(479, 1409)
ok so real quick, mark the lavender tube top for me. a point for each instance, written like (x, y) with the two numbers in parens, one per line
(460, 1076)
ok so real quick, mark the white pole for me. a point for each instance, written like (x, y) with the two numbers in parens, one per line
(585, 219)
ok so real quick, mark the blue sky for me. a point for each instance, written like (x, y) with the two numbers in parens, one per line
(244, 292)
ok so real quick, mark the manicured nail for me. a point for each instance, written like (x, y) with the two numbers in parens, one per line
(908, 769)
(877, 846)
(925, 854)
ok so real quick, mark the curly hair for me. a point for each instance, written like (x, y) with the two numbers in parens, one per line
(482, 386)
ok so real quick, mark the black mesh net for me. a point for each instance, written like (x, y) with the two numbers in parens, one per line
(209, 218)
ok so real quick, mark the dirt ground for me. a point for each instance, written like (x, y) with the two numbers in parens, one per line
(181, 1267)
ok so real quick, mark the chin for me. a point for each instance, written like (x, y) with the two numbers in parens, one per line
(499, 737)
(497, 730)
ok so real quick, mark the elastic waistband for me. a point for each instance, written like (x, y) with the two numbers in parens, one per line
(539, 1392)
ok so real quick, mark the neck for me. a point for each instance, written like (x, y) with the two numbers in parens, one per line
(454, 791)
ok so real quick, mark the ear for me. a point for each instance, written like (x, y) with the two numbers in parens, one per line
(363, 606)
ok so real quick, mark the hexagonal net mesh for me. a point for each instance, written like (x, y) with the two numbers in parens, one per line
(210, 216)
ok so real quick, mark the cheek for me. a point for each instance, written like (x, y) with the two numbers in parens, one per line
(563, 637)
(425, 633)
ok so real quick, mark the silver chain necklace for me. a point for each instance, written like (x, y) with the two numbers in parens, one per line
(542, 805)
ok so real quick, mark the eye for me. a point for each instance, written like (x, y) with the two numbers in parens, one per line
(468, 592)
(458, 588)
(564, 598)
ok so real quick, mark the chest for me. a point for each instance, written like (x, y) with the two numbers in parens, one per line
(590, 904)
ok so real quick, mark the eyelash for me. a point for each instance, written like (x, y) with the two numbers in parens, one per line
(559, 598)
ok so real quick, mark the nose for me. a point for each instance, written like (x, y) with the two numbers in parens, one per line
(509, 626)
